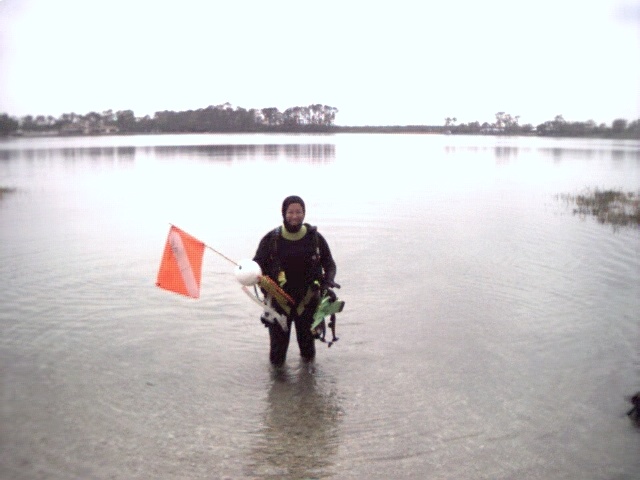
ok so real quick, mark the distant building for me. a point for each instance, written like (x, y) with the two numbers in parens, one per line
(87, 127)
(491, 130)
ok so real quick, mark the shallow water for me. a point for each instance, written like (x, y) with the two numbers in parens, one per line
(488, 332)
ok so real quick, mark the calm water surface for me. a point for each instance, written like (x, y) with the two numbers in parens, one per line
(488, 333)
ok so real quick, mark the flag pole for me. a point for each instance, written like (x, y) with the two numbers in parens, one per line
(221, 254)
(211, 248)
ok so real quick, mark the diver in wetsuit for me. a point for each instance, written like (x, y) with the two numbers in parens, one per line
(296, 257)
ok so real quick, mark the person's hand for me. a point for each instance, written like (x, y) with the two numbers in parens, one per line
(327, 284)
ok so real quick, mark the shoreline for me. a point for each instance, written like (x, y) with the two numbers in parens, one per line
(389, 130)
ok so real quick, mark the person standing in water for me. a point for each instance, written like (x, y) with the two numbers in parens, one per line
(298, 259)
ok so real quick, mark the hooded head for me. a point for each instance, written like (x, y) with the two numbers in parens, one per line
(295, 226)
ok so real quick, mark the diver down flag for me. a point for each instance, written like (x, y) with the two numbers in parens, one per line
(181, 265)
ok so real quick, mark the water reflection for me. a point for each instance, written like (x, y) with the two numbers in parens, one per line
(502, 153)
(112, 153)
(308, 152)
(299, 436)
(92, 153)
(506, 153)
(320, 153)
(558, 153)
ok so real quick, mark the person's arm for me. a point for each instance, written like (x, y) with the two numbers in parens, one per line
(328, 264)
(263, 253)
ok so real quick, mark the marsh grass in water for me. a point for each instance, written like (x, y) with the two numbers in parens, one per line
(613, 207)
(5, 190)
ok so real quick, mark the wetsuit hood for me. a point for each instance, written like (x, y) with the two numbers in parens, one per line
(285, 204)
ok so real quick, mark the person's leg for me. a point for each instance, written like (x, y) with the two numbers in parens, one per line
(279, 340)
(306, 342)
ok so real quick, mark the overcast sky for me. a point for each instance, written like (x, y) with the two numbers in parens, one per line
(394, 62)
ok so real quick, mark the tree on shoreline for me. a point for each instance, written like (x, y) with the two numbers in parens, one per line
(8, 124)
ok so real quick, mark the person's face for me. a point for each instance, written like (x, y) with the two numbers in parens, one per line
(294, 214)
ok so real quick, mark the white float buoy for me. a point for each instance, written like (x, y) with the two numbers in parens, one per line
(248, 272)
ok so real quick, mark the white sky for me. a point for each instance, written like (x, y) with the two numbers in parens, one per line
(392, 62)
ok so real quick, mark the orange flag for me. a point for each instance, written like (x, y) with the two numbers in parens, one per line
(181, 265)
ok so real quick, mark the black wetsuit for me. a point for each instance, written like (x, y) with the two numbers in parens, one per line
(304, 262)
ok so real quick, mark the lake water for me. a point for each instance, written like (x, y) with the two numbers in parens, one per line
(488, 332)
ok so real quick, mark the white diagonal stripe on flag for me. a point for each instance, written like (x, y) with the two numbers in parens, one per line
(180, 254)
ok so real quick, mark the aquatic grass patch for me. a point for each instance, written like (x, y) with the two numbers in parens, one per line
(613, 207)
(6, 190)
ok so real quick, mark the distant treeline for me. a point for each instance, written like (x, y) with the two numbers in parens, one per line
(506, 124)
(313, 118)
(220, 118)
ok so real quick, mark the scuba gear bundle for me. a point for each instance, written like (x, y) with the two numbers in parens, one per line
(271, 288)
(269, 315)
(328, 306)
(248, 273)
